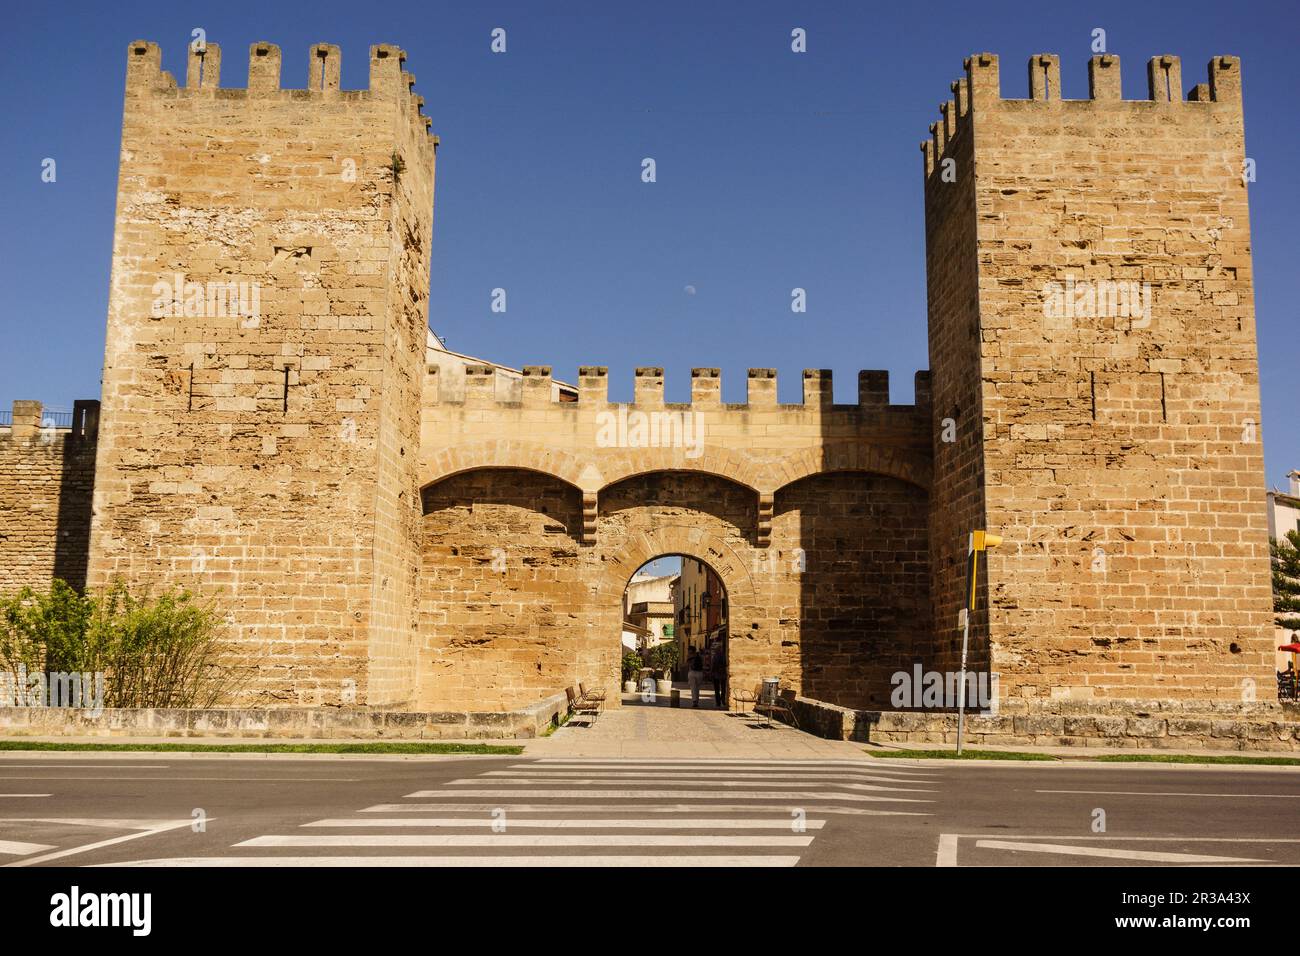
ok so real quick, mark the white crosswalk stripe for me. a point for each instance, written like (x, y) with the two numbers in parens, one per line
(527, 839)
(620, 794)
(598, 812)
(1110, 853)
(747, 784)
(638, 808)
(804, 767)
(720, 860)
(732, 779)
(697, 762)
(18, 848)
(549, 823)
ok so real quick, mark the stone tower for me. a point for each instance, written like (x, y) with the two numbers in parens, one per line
(1092, 345)
(265, 353)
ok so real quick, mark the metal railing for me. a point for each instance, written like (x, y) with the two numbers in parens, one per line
(57, 419)
(50, 418)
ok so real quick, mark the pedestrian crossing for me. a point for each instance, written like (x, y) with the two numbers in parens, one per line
(22, 848)
(599, 812)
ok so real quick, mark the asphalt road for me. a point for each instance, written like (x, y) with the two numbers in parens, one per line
(86, 810)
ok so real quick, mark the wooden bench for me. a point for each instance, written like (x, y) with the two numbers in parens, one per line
(579, 706)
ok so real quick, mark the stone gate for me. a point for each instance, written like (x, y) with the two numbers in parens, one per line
(398, 533)
(537, 510)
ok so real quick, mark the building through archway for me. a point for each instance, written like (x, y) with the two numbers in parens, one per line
(675, 613)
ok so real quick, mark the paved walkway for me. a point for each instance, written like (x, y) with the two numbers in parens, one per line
(639, 729)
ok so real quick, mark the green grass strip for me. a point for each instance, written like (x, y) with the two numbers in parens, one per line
(965, 755)
(389, 747)
(1104, 758)
(1191, 758)
(564, 719)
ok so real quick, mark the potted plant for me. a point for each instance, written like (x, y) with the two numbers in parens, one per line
(631, 667)
(663, 659)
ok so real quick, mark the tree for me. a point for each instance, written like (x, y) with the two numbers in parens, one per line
(1285, 554)
(663, 657)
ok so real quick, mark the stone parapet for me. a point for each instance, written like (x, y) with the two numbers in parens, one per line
(284, 722)
(1121, 724)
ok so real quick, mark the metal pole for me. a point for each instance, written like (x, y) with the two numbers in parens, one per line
(961, 682)
(978, 541)
(972, 574)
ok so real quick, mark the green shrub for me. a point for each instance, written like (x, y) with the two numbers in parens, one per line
(663, 657)
(155, 651)
(631, 665)
(44, 630)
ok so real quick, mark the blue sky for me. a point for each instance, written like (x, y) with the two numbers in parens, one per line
(775, 170)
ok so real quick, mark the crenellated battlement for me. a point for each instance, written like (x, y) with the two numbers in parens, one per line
(480, 388)
(388, 78)
(981, 91)
(479, 417)
(483, 417)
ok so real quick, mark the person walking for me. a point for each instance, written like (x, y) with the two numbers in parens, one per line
(695, 677)
(718, 671)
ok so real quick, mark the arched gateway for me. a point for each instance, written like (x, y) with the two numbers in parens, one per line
(391, 526)
(537, 511)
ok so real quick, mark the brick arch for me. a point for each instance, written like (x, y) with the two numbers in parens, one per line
(591, 472)
(753, 639)
(528, 456)
(719, 462)
(599, 471)
(686, 539)
(909, 466)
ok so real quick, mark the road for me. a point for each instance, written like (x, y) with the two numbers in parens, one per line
(150, 810)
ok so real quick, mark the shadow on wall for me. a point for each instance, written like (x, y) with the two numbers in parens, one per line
(864, 585)
(860, 549)
(76, 495)
(501, 601)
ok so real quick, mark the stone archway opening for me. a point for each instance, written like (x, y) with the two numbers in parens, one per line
(524, 587)
(675, 631)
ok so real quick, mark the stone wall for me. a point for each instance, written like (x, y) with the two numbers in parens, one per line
(514, 602)
(1127, 724)
(720, 482)
(260, 435)
(862, 611)
(1117, 723)
(47, 477)
(502, 603)
(530, 720)
(593, 443)
(1122, 456)
(952, 296)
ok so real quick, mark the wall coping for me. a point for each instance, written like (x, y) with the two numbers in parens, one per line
(272, 722)
(1119, 723)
